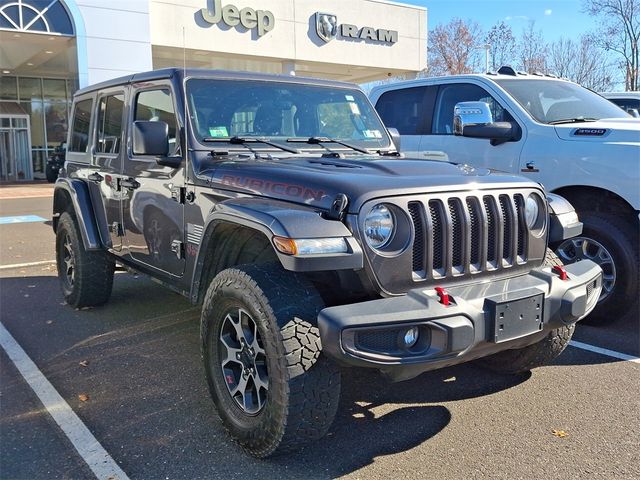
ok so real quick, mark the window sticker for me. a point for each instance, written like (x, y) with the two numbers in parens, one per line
(349, 98)
(372, 134)
(354, 108)
(218, 132)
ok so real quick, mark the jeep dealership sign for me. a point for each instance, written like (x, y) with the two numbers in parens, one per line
(262, 21)
(327, 29)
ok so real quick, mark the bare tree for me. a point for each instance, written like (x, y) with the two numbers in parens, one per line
(582, 62)
(455, 48)
(503, 45)
(619, 32)
(532, 49)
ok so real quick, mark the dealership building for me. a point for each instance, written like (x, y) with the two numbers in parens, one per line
(50, 48)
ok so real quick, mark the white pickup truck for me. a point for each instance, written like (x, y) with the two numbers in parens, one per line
(568, 138)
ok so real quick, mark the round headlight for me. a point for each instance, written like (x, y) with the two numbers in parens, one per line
(531, 211)
(379, 226)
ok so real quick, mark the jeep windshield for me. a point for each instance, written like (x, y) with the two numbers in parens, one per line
(300, 115)
(555, 102)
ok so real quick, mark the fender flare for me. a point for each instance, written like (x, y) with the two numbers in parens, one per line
(279, 219)
(82, 206)
(563, 219)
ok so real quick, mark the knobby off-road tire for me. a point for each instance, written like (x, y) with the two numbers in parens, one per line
(277, 311)
(612, 243)
(86, 277)
(522, 360)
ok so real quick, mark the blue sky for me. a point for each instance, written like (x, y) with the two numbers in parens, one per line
(554, 17)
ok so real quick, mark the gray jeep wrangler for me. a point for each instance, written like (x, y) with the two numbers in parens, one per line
(281, 205)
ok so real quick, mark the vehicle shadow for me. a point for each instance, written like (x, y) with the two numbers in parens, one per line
(373, 420)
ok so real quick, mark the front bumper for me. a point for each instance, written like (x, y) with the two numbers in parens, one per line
(482, 319)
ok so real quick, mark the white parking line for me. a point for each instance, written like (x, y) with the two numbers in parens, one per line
(24, 265)
(97, 458)
(604, 351)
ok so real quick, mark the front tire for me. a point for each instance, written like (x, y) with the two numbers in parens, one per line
(611, 243)
(521, 360)
(273, 389)
(86, 277)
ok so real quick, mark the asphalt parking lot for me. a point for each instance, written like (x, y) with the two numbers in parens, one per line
(131, 373)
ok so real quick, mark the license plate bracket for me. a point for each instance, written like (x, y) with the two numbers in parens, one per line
(515, 318)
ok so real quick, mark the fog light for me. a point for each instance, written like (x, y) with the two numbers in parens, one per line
(411, 337)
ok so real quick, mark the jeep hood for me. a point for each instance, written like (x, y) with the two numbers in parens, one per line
(617, 130)
(315, 180)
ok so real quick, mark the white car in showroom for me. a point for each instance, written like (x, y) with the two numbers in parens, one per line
(566, 137)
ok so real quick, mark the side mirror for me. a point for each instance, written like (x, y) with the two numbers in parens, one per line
(466, 114)
(634, 112)
(474, 120)
(395, 137)
(150, 138)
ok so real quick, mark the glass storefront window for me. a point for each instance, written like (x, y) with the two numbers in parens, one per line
(8, 88)
(39, 159)
(56, 122)
(54, 89)
(34, 109)
(30, 88)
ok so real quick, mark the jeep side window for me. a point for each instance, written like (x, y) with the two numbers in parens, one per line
(403, 109)
(452, 94)
(109, 133)
(80, 127)
(157, 106)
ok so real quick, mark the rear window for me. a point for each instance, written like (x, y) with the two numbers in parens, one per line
(110, 124)
(80, 127)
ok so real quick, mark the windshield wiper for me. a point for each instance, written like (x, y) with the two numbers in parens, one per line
(321, 140)
(573, 120)
(235, 140)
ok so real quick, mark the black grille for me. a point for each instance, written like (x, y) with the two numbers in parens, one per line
(519, 202)
(418, 243)
(507, 225)
(383, 340)
(468, 234)
(474, 218)
(489, 207)
(455, 210)
(435, 211)
(590, 288)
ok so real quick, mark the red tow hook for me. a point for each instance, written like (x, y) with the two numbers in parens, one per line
(562, 273)
(443, 295)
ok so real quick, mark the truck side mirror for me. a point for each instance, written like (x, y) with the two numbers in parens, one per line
(395, 137)
(474, 120)
(150, 138)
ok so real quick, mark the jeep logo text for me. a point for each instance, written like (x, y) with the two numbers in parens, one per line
(262, 20)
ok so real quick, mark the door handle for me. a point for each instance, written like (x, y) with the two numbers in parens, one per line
(129, 183)
(530, 167)
(95, 177)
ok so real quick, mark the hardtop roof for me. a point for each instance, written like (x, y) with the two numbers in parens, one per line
(179, 73)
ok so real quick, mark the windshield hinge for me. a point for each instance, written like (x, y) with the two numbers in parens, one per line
(339, 205)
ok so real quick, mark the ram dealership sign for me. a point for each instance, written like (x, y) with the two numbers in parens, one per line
(327, 28)
(262, 21)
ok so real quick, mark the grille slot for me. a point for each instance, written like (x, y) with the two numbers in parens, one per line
(458, 243)
(468, 234)
(522, 224)
(505, 210)
(419, 247)
(435, 210)
(474, 220)
(492, 227)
